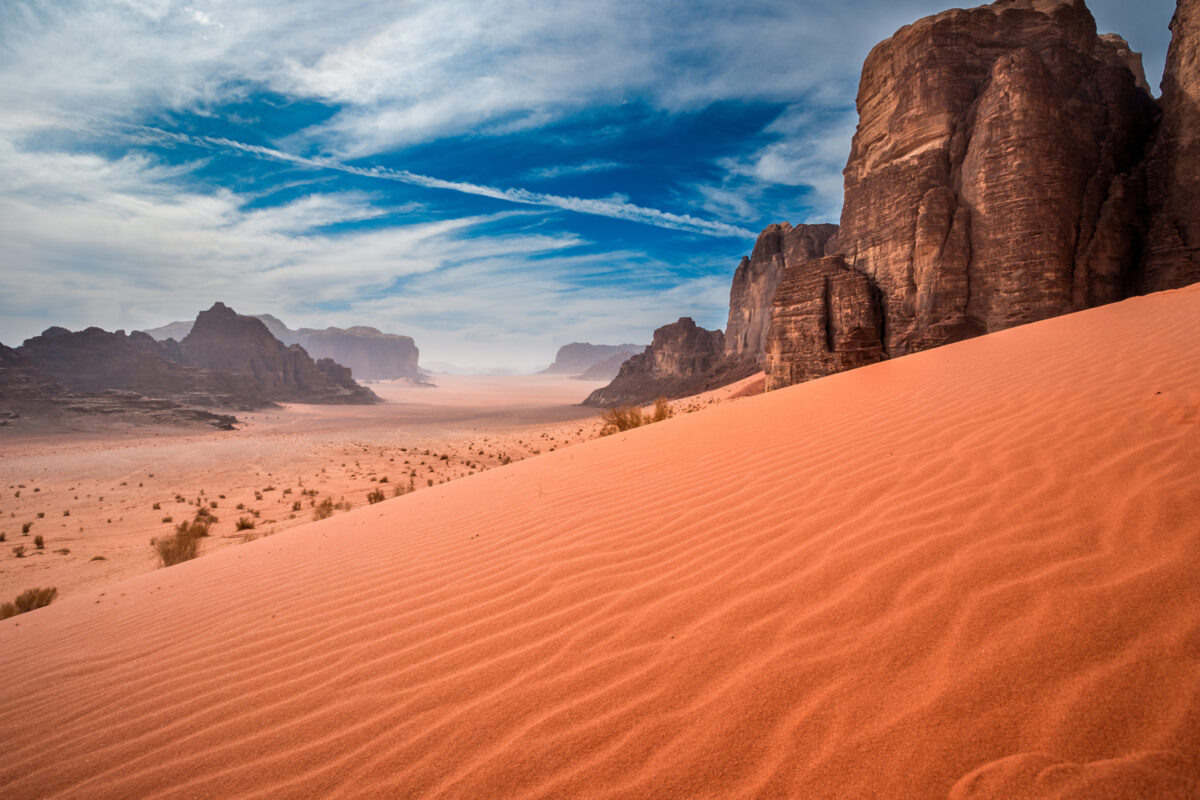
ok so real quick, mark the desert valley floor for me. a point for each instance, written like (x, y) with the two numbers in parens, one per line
(966, 573)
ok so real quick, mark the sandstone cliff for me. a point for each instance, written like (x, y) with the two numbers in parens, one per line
(683, 359)
(1172, 252)
(827, 319)
(223, 340)
(757, 277)
(579, 357)
(992, 180)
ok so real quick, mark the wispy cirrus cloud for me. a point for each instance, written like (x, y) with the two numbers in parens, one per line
(613, 208)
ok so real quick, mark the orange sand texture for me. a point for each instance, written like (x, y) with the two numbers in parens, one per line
(969, 573)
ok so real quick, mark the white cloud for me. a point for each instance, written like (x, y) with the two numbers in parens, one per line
(138, 252)
(561, 170)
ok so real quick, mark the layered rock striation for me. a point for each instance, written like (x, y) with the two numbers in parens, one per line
(827, 318)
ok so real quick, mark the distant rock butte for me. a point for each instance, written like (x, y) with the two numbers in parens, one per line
(578, 358)
(369, 353)
(226, 341)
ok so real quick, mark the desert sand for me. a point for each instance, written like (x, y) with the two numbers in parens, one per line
(97, 486)
(966, 573)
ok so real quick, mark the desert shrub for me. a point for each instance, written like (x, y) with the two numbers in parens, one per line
(3, 537)
(622, 418)
(66, 513)
(39, 542)
(383, 479)
(375, 496)
(157, 506)
(41, 515)
(177, 549)
(206, 517)
(662, 410)
(323, 509)
(19, 551)
(28, 600)
(25, 526)
(196, 529)
(295, 505)
(245, 524)
(168, 519)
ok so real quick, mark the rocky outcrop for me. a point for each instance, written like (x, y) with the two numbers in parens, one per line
(579, 357)
(94, 360)
(29, 398)
(683, 359)
(757, 277)
(827, 319)
(993, 178)
(369, 353)
(1172, 250)
(223, 340)
(605, 370)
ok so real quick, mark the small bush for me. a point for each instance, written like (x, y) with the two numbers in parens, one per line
(375, 496)
(157, 506)
(323, 509)
(3, 537)
(622, 418)
(25, 526)
(66, 513)
(662, 410)
(245, 524)
(39, 542)
(178, 548)
(28, 601)
(19, 551)
(41, 515)
(168, 520)
(295, 505)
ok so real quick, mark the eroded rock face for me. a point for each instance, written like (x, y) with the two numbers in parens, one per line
(226, 341)
(94, 360)
(757, 277)
(993, 177)
(579, 357)
(368, 352)
(683, 359)
(827, 319)
(1172, 251)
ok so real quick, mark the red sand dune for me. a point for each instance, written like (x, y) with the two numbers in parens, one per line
(969, 573)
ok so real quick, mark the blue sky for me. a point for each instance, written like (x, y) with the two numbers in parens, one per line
(492, 178)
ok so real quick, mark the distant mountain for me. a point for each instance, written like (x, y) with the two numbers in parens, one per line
(579, 357)
(223, 340)
(368, 352)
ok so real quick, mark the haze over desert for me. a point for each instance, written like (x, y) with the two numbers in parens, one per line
(611, 400)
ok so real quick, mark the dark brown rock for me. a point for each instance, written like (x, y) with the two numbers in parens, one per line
(827, 319)
(993, 177)
(223, 340)
(94, 360)
(757, 277)
(683, 359)
(1172, 251)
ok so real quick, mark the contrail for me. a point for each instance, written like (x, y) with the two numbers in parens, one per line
(614, 209)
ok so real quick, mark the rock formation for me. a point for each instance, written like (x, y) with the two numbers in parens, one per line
(28, 396)
(993, 177)
(223, 340)
(94, 360)
(605, 370)
(1171, 256)
(827, 319)
(757, 277)
(683, 359)
(369, 353)
(579, 357)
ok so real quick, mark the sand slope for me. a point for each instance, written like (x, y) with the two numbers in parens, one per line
(972, 572)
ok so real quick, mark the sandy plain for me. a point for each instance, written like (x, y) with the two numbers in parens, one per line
(968, 573)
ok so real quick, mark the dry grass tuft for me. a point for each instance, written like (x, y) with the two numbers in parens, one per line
(28, 601)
